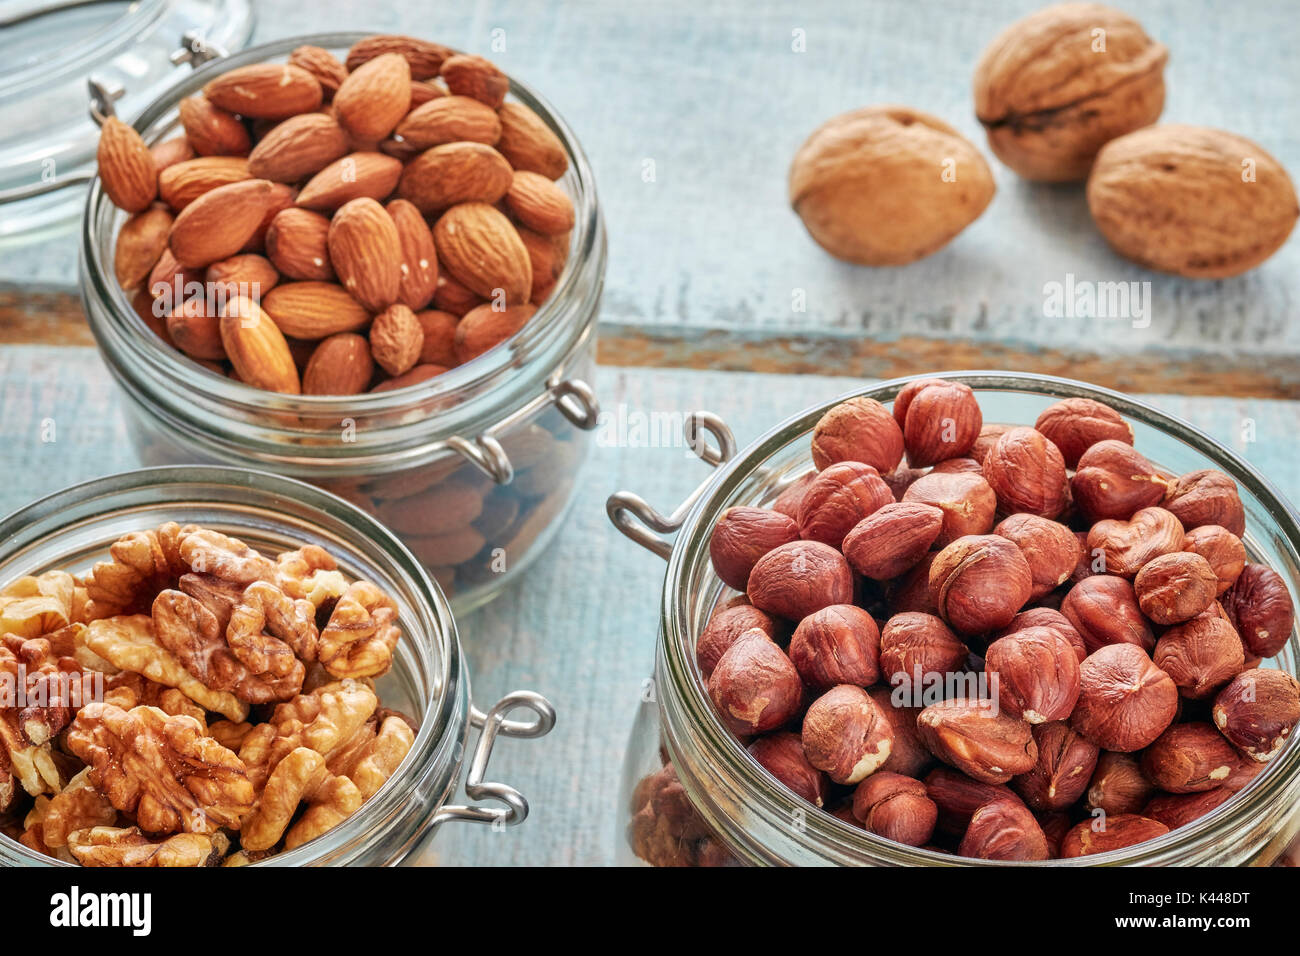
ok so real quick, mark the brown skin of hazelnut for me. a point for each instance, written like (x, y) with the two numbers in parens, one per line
(1206, 497)
(1114, 833)
(1258, 712)
(787, 502)
(940, 420)
(1176, 810)
(722, 630)
(1113, 480)
(799, 578)
(1125, 701)
(1051, 549)
(900, 479)
(957, 466)
(742, 536)
(974, 737)
(1065, 765)
(841, 496)
(892, 540)
(1118, 785)
(860, 429)
(754, 687)
(1244, 775)
(907, 755)
(1201, 655)
(1222, 549)
(1175, 587)
(1004, 830)
(914, 644)
(958, 797)
(896, 808)
(1259, 606)
(1036, 673)
(1027, 473)
(911, 592)
(836, 645)
(979, 583)
(988, 437)
(1104, 610)
(1085, 568)
(1189, 758)
(781, 754)
(967, 501)
(846, 735)
(1055, 824)
(1049, 618)
(1076, 424)
(1127, 546)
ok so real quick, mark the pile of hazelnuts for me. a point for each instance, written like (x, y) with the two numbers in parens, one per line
(1017, 643)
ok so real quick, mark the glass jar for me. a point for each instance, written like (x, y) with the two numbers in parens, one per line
(73, 529)
(474, 469)
(729, 809)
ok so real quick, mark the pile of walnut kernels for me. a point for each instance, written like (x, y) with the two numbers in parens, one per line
(1087, 627)
(193, 702)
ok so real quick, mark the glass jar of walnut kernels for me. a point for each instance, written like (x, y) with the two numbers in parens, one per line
(72, 529)
(474, 468)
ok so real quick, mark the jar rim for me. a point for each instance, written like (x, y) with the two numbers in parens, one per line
(690, 715)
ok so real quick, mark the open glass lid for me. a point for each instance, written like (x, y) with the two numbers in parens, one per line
(52, 52)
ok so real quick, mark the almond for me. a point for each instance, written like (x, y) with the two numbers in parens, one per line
(169, 278)
(299, 147)
(257, 349)
(218, 223)
(196, 332)
(143, 305)
(481, 248)
(359, 174)
(483, 328)
(296, 243)
(450, 119)
(529, 144)
(374, 97)
(265, 91)
(422, 92)
(419, 259)
(182, 183)
(170, 152)
(323, 65)
(314, 310)
(396, 339)
(247, 274)
(340, 365)
(469, 75)
(421, 373)
(451, 296)
(280, 198)
(424, 58)
(455, 173)
(439, 344)
(212, 131)
(366, 253)
(539, 204)
(140, 244)
(547, 255)
(126, 167)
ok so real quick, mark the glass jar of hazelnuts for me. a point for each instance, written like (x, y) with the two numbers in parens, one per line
(1013, 618)
(458, 414)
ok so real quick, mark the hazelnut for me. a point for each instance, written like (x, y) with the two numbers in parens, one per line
(859, 429)
(1126, 546)
(896, 808)
(781, 754)
(846, 735)
(965, 498)
(1222, 549)
(988, 436)
(1027, 473)
(1055, 824)
(1118, 785)
(836, 645)
(754, 687)
(742, 536)
(1112, 832)
(955, 466)
(1188, 758)
(1065, 765)
(893, 540)
(1113, 480)
(787, 502)
(1259, 606)
(900, 479)
(1035, 673)
(958, 797)
(1089, 563)
(1257, 711)
(979, 582)
(1074, 425)
(940, 420)
(911, 592)
(722, 630)
(1104, 610)
(1201, 655)
(1004, 830)
(798, 578)
(908, 754)
(1125, 701)
(976, 738)
(1176, 810)
(1051, 549)
(1053, 620)
(1175, 587)
(1244, 775)
(914, 644)
(838, 498)
(1206, 497)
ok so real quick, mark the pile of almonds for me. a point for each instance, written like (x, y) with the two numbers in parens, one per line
(1001, 641)
(352, 226)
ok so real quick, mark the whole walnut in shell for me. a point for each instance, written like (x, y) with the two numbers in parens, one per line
(887, 185)
(1055, 87)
